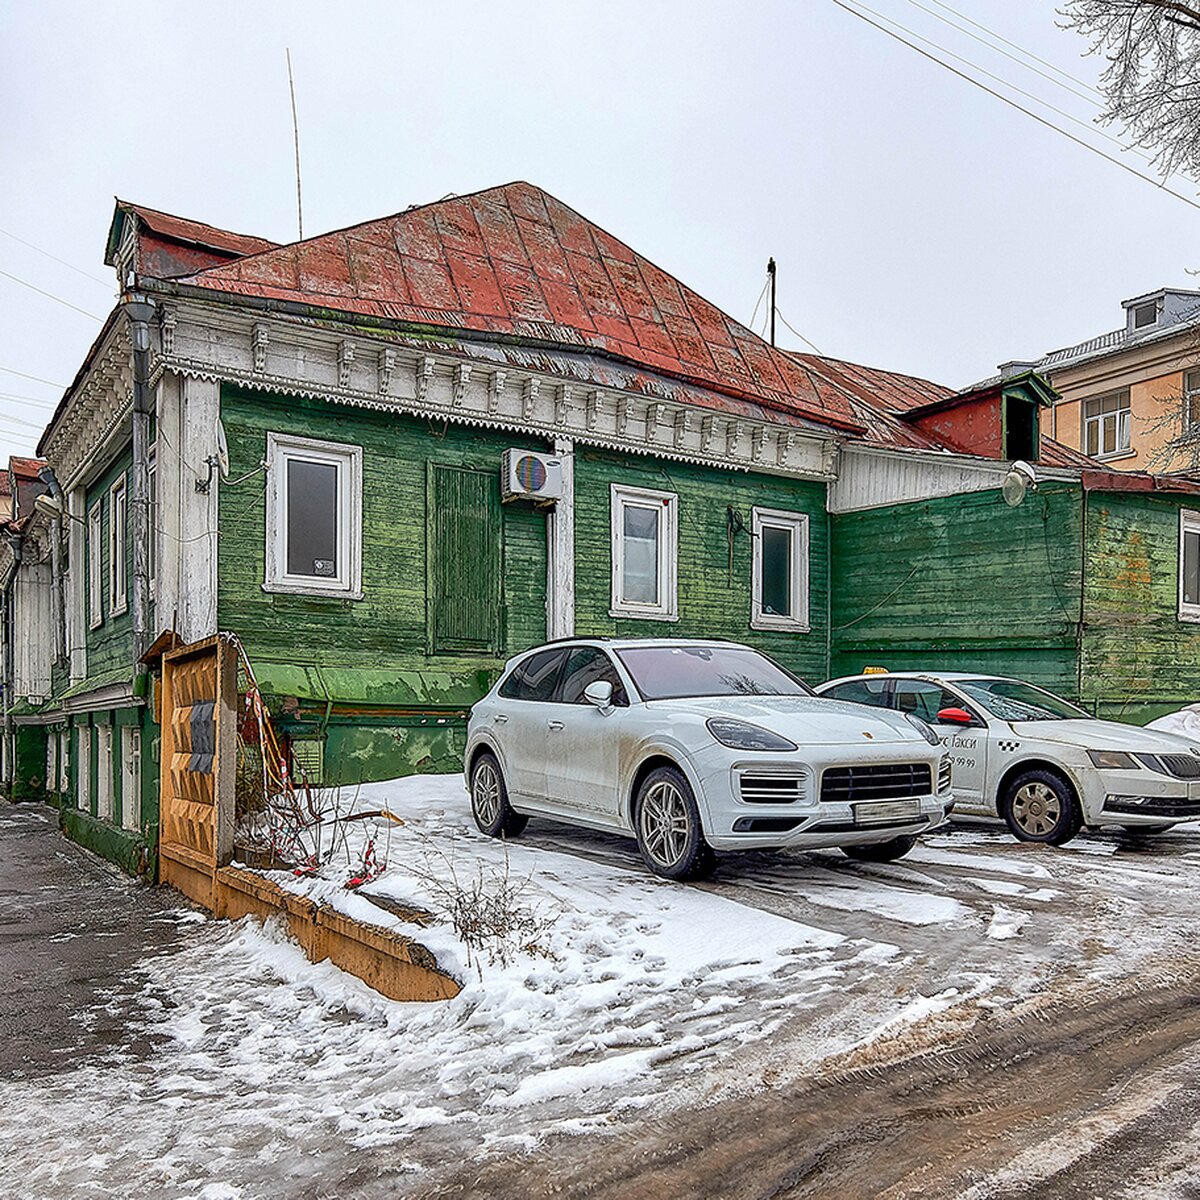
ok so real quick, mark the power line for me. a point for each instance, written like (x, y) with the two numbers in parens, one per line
(51, 296)
(1006, 83)
(36, 400)
(1162, 187)
(754, 314)
(38, 425)
(61, 261)
(1094, 99)
(797, 332)
(35, 378)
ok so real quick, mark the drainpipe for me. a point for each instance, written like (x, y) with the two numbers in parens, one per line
(140, 310)
(15, 544)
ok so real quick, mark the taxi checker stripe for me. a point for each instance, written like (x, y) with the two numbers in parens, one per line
(1008, 745)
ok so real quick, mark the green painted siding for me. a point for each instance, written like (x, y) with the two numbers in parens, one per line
(110, 645)
(1138, 659)
(714, 600)
(961, 583)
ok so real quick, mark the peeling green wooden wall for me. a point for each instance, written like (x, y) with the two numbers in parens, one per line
(1139, 660)
(961, 583)
(714, 601)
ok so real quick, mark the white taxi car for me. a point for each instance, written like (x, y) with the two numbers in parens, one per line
(1044, 765)
(692, 746)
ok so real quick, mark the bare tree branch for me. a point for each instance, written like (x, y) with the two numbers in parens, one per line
(1152, 81)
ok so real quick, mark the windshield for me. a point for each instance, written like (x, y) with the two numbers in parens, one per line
(1011, 700)
(673, 672)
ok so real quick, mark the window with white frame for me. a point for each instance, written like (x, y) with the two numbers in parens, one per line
(314, 517)
(1189, 565)
(779, 589)
(64, 762)
(104, 772)
(152, 505)
(83, 760)
(131, 776)
(645, 550)
(51, 763)
(1191, 402)
(1106, 425)
(118, 566)
(95, 526)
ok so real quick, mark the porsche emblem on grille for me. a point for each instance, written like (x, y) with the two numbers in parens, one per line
(871, 736)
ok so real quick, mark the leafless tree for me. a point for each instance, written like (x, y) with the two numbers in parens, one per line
(1152, 82)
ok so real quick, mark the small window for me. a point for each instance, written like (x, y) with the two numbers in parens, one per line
(535, 678)
(1191, 402)
(83, 762)
(152, 505)
(1145, 315)
(51, 762)
(779, 596)
(118, 592)
(585, 666)
(1189, 566)
(644, 553)
(131, 777)
(64, 762)
(104, 772)
(1106, 425)
(861, 691)
(314, 517)
(95, 528)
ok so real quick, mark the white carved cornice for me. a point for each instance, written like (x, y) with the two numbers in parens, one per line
(483, 388)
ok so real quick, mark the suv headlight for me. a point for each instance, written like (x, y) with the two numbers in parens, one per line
(922, 727)
(1113, 760)
(739, 735)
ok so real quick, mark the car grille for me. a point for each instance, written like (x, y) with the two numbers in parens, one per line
(771, 789)
(1182, 766)
(883, 781)
(944, 774)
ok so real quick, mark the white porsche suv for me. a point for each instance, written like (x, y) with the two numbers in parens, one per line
(1044, 765)
(691, 746)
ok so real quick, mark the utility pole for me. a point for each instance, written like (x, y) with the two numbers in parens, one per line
(771, 280)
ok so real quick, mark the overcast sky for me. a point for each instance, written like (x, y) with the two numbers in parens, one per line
(918, 223)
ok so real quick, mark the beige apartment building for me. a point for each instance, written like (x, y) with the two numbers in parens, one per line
(1131, 397)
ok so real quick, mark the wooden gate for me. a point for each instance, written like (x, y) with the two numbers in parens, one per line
(197, 766)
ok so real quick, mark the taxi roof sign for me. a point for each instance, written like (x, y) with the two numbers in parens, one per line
(875, 670)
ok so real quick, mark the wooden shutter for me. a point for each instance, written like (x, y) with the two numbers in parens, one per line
(464, 560)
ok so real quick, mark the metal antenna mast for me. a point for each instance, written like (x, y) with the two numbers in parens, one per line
(771, 280)
(296, 142)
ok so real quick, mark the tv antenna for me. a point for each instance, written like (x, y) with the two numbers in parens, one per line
(296, 143)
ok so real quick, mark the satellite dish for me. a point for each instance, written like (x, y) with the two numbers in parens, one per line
(222, 451)
(1020, 479)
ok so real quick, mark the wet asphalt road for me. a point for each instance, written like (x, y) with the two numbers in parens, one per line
(71, 927)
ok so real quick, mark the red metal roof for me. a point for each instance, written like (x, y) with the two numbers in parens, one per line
(515, 261)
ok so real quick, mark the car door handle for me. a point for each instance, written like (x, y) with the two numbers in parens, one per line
(500, 719)
(554, 724)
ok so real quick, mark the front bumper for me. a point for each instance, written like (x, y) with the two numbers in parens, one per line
(1145, 798)
(800, 818)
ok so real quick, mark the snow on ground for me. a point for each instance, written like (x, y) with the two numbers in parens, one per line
(273, 1073)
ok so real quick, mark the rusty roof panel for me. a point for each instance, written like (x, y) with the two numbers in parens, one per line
(514, 261)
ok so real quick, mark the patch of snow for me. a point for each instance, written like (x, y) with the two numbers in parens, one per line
(1005, 923)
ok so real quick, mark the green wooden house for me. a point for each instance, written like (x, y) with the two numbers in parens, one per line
(391, 457)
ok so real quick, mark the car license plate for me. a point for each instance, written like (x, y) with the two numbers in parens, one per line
(887, 810)
(1194, 791)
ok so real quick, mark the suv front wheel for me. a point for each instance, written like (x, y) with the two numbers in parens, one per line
(667, 823)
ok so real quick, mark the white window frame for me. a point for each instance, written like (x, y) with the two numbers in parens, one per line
(95, 576)
(104, 772)
(347, 582)
(1122, 417)
(64, 762)
(118, 567)
(131, 777)
(152, 511)
(51, 762)
(667, 608)
(796, 524)
(83, 782)
(1189, 523)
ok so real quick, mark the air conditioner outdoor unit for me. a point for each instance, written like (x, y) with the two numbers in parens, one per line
(528, 475)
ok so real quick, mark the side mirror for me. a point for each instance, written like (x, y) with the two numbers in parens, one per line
(955, 716)
(599, 693)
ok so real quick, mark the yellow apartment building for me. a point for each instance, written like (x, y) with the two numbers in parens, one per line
(1131, 397)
